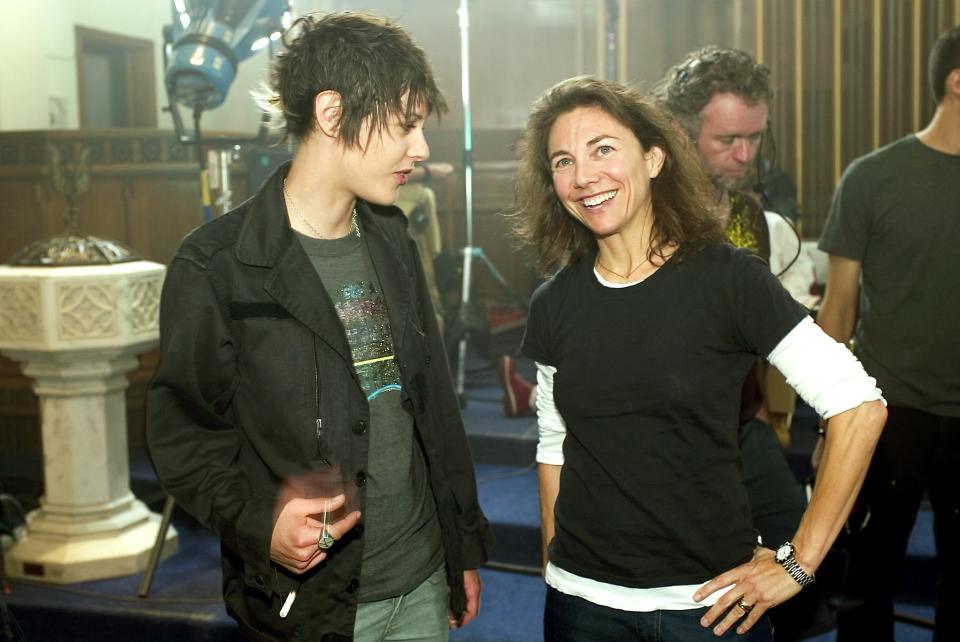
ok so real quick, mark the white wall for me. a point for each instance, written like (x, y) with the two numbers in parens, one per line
(38, 62)
(23, 65)
(518, 48)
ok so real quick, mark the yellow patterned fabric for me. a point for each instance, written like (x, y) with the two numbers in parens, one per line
(747, 227)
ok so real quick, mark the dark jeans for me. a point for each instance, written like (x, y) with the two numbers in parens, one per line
(572, 619)
(917, 452)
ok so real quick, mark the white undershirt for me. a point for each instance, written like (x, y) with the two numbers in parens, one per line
(823, 372)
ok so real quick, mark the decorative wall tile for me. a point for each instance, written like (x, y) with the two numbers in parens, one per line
(33, 153)
(86, 311)
(178, 152)
(8, 154)
(143, 304)
(20, 312)
(66, 151)
(121, 151)
(96, 150)
(150, 151)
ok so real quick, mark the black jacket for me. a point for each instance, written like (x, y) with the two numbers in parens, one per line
(252, 356)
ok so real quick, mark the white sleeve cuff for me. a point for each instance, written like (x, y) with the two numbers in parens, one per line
(551, 426)
(822, 371)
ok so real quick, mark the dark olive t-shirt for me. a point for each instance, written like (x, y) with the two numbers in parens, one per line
(897, 212)
(648, 384)
(402, 544)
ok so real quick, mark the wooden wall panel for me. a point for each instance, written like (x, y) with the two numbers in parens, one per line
(779, 44)
(143, 192)
(845, 75)
(856, 72)
(22, 215)
(819, 127)
(881, 74)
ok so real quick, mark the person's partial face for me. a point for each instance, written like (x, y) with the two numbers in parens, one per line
(601, 172)
(383, 162)
(729, 138)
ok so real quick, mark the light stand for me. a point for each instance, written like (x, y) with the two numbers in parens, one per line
(469, 251)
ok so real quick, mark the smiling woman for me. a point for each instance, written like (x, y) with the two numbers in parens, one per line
(642, 340)
(602, 174)
(586, 138)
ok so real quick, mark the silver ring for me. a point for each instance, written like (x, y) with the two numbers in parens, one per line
(325, 540)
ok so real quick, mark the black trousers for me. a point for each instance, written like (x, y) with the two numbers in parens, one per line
(917, 453)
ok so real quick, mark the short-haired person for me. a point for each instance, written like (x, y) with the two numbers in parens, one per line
(642, 340)
(303, 408)
(893, 285)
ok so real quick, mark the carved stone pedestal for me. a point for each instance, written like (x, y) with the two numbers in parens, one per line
(76, 332)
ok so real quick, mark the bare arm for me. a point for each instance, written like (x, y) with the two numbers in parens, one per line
(549, 476)
(762, 583)
(850, 441)
(838, 313)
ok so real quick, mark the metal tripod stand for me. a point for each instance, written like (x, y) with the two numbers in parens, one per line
(469, 251)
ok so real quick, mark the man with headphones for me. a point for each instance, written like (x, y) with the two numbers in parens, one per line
(721, 98)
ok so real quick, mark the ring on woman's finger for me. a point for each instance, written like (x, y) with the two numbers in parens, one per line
(325, 540)
(746, 608)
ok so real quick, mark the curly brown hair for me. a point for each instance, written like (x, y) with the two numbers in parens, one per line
(689, 85)
(370, 61)
(682, 216)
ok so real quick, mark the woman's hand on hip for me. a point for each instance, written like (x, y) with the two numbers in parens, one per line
(756, 586)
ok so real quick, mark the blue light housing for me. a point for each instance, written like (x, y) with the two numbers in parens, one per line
(209, 40)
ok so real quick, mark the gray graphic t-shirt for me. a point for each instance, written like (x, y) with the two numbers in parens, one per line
(402, 535)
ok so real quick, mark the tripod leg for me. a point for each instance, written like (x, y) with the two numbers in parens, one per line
(154, 560)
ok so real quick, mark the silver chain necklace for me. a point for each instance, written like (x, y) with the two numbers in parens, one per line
(296, 210)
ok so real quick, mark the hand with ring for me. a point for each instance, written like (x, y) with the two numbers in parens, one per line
(751, 589)
(325, 539)
(302, 535)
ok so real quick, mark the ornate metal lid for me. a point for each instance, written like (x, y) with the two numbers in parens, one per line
(61, 251)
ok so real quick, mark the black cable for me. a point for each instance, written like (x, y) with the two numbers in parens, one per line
(760, 188)
(796, 235)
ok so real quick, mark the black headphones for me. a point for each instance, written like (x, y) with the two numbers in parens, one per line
(761, 187)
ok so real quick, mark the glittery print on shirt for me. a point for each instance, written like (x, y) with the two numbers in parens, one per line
(740, 231)
(363, 312)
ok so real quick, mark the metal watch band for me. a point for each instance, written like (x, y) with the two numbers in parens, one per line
(793, 568)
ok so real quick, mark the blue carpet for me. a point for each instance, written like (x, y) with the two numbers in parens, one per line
(511, 610)
(185, 603)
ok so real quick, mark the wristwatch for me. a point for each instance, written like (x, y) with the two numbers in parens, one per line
(786, 557)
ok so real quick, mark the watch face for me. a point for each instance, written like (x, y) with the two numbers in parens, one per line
(785, 551)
